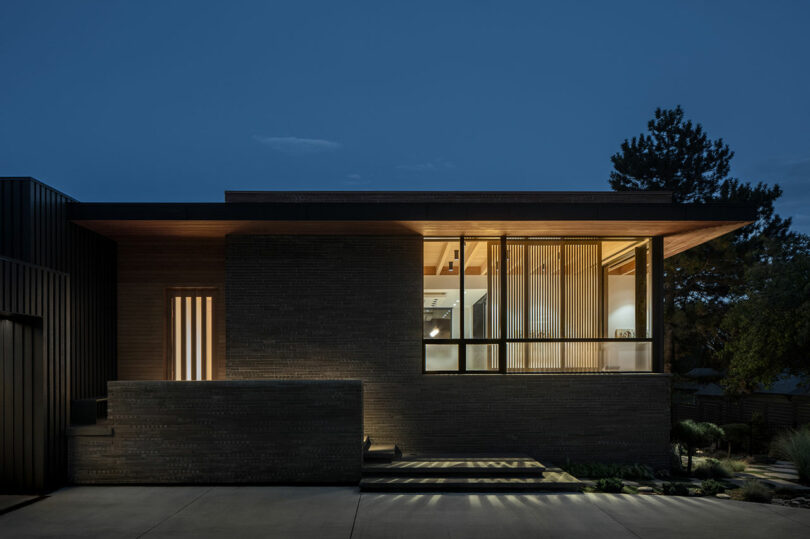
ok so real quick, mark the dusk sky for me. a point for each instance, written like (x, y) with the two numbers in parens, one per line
(179, 101)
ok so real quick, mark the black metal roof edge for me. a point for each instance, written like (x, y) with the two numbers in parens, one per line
(41, 184)
(447, 197)
(218, 211)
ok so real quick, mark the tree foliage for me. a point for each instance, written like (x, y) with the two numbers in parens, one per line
(702, 283)
(767, 331)
(694, 435)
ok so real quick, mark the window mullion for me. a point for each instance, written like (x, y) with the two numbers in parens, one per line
(502, 346)
(462, 353)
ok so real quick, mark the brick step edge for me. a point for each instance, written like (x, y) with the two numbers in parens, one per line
(478, 486)
(384, 471)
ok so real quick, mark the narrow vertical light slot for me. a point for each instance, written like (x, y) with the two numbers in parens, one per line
(188, 339)
(198, 336)
(208, 338)
(178, 343)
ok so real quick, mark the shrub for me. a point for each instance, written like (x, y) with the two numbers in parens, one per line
(733, 465)
(610, 484)
(675, 489)
(599, 470)
(710, 487)
(712, 469)
(695, 435)
(737, 435)
(755, 491)
(795, 447)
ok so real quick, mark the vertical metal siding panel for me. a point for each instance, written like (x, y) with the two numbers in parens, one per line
(3, 324)
(19, 404)
(6, 451)
(65, 328)
(28, 406)
(78, 319)
(52, 382)
(38, 412)
(16, 218)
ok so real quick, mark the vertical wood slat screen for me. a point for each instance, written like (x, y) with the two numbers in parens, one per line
(582, 294)
(544, 296)
(191, 342)
(515, 304)
(493, 328)
(554, 291)
(533, 305)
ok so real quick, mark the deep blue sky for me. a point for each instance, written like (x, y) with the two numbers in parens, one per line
(170, 101)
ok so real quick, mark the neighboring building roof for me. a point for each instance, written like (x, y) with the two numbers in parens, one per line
(788, 385)
(783, 385)
(710, 390)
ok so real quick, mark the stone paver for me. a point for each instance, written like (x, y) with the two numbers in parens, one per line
(241, 512)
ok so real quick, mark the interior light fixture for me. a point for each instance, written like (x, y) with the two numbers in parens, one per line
(456, 254)
(434, 332)
(450, 266)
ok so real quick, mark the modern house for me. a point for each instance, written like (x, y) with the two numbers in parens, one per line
(259, 339)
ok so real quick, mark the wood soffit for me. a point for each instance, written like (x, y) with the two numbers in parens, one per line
(682, 225)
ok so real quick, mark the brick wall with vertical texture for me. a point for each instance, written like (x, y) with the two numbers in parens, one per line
(147, 267)
(335, 307)
(223, 432)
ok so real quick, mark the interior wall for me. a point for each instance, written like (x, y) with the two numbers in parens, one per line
(621, 303)
(147, 267)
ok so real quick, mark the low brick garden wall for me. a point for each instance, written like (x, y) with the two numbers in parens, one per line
(253, 431)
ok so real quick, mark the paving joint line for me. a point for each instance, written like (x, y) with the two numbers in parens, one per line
(206, 491)
(614, 519)
(356, 512)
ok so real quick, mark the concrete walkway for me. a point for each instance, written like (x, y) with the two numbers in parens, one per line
(238, 512)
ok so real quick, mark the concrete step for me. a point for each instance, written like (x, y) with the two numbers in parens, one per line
(381, 452)
(469, 484)
(457, 467)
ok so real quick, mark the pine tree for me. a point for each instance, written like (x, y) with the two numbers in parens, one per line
(700, 284)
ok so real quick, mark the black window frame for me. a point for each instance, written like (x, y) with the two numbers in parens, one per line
(654, 259)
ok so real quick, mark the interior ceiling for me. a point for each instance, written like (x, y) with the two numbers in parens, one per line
(678, 235)
(438, 254)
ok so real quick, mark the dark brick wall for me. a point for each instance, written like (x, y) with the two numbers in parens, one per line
(306, 307)
(225, 432)
(147, 267)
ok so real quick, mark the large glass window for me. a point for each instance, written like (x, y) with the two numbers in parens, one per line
(570, 304)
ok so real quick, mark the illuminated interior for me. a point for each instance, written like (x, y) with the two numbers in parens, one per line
(571, 305)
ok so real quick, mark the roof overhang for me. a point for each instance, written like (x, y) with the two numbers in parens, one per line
(682, 225)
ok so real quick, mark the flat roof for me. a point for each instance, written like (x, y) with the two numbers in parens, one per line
(451, 197)
(444, 213)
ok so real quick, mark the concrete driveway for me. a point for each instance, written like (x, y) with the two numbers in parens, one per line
(237, 512)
